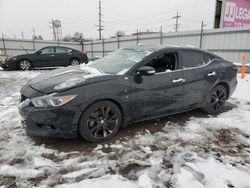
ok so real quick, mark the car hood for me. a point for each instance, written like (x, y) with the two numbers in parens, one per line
(17, 56)
(65, 78)
(23, 55)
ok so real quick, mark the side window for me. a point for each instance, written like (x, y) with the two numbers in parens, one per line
(62, 50)
(48, 50)
(192, 59)
(164, 62)
(209, 57)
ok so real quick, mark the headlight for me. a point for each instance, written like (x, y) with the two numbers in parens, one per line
(51, 100)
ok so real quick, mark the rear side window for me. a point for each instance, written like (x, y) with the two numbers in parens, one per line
(192, 59)
(210, 57)
(62, 50)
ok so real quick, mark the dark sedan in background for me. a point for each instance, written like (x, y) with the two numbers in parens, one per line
(50, 56)
(130, 85)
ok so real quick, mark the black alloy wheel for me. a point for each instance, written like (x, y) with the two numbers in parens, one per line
(216, 100)
(24, 65)
(74, 62)
(100, 121)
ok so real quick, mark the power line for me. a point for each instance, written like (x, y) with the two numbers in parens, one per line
(84, 15)
(176, 25)
(159, 12)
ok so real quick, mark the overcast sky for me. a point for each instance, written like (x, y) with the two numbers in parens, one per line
(82, 16)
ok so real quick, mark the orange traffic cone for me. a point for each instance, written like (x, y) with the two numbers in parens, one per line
(243, 70)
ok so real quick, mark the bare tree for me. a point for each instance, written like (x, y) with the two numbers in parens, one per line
(67, 38)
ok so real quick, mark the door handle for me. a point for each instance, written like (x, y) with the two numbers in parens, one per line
(52, 55)
(180, 80)
(211, 74)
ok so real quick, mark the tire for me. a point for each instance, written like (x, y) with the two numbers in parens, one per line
(216, 100)
(74, 62)
(24, 64)
(100, 121)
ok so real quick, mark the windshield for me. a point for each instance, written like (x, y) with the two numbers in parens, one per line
(119, 61)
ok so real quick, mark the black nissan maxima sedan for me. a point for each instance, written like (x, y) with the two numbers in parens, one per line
(129, 85)
(47, 57)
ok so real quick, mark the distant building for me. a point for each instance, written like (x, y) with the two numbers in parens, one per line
(144, 32)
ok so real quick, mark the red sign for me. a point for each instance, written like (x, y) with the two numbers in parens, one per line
(236, 13)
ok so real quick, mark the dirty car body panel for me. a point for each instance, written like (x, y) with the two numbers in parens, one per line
(138, 97)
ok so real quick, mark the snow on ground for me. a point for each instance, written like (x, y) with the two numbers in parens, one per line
(192, 149)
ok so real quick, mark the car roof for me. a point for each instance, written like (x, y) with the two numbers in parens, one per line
(160, 47)
(155, 48)
(58, 46)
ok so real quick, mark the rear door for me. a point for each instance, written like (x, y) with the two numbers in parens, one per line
(44, 57)
(63, 56)
(199, 78)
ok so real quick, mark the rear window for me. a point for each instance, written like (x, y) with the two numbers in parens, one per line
(210, 57)
(192, 59)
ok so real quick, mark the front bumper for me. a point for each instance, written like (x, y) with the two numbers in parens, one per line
(49, 122)
(8, 65)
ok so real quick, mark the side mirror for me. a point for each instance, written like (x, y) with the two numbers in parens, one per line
(38, 52)
(146, 71)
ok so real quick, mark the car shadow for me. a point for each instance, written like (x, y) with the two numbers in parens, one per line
(126, 133)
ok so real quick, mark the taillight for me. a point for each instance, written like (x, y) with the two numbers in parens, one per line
(84, 53)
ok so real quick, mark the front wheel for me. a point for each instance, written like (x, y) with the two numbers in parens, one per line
(24, 65)
(216, 100)
(100, 121)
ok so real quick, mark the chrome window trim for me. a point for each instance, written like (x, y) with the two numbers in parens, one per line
(190, 68)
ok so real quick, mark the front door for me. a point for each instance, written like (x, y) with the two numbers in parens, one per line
(44, 58)
(159, 94)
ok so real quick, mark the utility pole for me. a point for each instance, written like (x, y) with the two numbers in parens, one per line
(137, 37)
(177, 25)
(4, 47)
(22, 35)
(161, 35)
(100, 27)
(201, 34)
(34, 32)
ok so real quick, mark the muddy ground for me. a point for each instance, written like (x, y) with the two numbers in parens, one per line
(159, 148)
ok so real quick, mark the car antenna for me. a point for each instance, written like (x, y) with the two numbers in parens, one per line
(24, 49)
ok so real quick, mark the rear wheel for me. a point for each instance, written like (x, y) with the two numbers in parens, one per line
(216, 100)
(24, 64)
(74, 62)
(100, 121)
